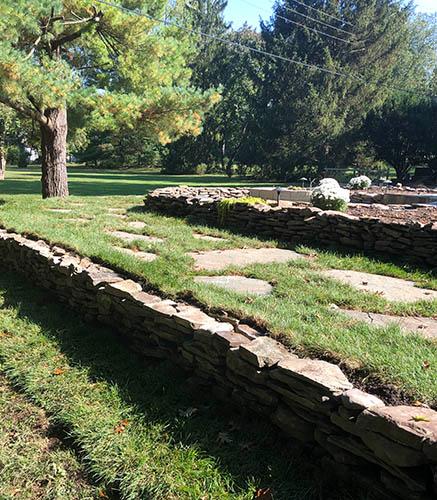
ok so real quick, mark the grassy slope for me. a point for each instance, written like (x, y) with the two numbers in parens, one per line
(34, 463)
(298, 309)
(135, 426)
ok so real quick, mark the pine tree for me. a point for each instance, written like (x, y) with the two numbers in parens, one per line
(120, 70)
(309, 111)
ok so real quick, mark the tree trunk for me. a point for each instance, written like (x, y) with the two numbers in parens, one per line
(54, 153)
(2, 163)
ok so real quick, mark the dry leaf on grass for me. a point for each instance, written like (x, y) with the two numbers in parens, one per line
(121, 426)
(264, 494)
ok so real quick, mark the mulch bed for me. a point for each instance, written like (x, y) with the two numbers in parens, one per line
(402, 213)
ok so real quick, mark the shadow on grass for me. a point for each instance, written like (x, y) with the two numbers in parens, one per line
(409, 265)
(89, 182)
(255, 451)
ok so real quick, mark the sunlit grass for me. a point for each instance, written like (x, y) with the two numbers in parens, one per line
(299, 309)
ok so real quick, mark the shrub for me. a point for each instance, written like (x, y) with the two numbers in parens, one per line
(328, 195)
(360, 182)
(224, 206)
(201, 169)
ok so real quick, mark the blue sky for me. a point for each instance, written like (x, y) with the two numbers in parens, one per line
(239, 11)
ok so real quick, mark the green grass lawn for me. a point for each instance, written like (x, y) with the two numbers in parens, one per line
(137, 432)
(299, 309)
(34, 462)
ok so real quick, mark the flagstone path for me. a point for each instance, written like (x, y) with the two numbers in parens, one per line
(206, 237)
(129, 237)
(239, 284)
(146, 256)
(393, 289)
(426, 327)
(215, 260)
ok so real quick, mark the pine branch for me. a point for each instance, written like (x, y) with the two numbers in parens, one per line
(30, 113)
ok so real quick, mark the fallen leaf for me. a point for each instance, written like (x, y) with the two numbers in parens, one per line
(58, 371)
(426, 364)
(264, 494)
(102, 494)
(121, 426)
(420, 418)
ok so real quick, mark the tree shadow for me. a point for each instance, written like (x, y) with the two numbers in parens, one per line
(408, 264)
(90, 182)
(254, 450)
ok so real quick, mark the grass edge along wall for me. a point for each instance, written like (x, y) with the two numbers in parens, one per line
(393, 449)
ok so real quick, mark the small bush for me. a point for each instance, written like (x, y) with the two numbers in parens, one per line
(224, 206)
(330, 196)
(201, 169)
(360, 182)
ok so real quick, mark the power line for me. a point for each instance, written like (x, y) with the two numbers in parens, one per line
(286, 19)
(252, 49)
(320, 12)
(221, 39)
(317, 20)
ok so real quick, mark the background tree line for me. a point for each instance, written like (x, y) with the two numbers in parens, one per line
(283, 120)
(139, 94)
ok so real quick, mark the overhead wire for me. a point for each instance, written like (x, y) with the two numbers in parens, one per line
(301, 25)
(168, 22)
(310, 7)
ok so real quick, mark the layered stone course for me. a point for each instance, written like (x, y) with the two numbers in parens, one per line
(391, 449)
(302, 223)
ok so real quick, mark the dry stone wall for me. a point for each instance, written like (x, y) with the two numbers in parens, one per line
(303, 224)
(390, 449)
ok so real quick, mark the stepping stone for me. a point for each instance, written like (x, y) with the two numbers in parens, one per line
(220, 259)
(394, 289)
(116, 210)
(123, 235)
(60, 210)
(136, 224)
(206, 237)
(118, 216)
(239, 284)
(426, 327)
(146, 256)
(79, 219)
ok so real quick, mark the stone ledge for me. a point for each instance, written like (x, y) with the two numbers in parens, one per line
(309, 400)
(302, 224)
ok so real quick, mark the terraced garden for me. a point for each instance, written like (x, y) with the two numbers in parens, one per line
(189, 447)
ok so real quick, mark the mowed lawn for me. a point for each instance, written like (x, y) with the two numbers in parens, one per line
(91, 421)
(299, 311)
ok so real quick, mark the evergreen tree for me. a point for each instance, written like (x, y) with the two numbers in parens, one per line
(120, 70)
(309, 111)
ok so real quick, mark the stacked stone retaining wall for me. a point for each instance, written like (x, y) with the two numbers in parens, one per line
(390, 449)
(302, 223)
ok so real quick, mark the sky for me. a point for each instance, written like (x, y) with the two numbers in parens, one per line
(239, 11)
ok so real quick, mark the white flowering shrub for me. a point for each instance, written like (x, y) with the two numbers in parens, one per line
(329, 195)
(360, 182)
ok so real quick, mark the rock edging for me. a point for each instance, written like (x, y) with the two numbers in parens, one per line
(302, 224)
(392, 449)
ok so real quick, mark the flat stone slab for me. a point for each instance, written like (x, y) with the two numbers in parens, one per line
(146, 256)
(215, 260)
(60, 210)
(426, 327)
(394, 289)
(239, 284)
(123, 235)
(116, 210)
(78, 219)
(137, 224)
(206, 237)
(118, 216)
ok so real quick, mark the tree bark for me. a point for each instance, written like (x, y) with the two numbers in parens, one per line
(54, 153)
(2, 163)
